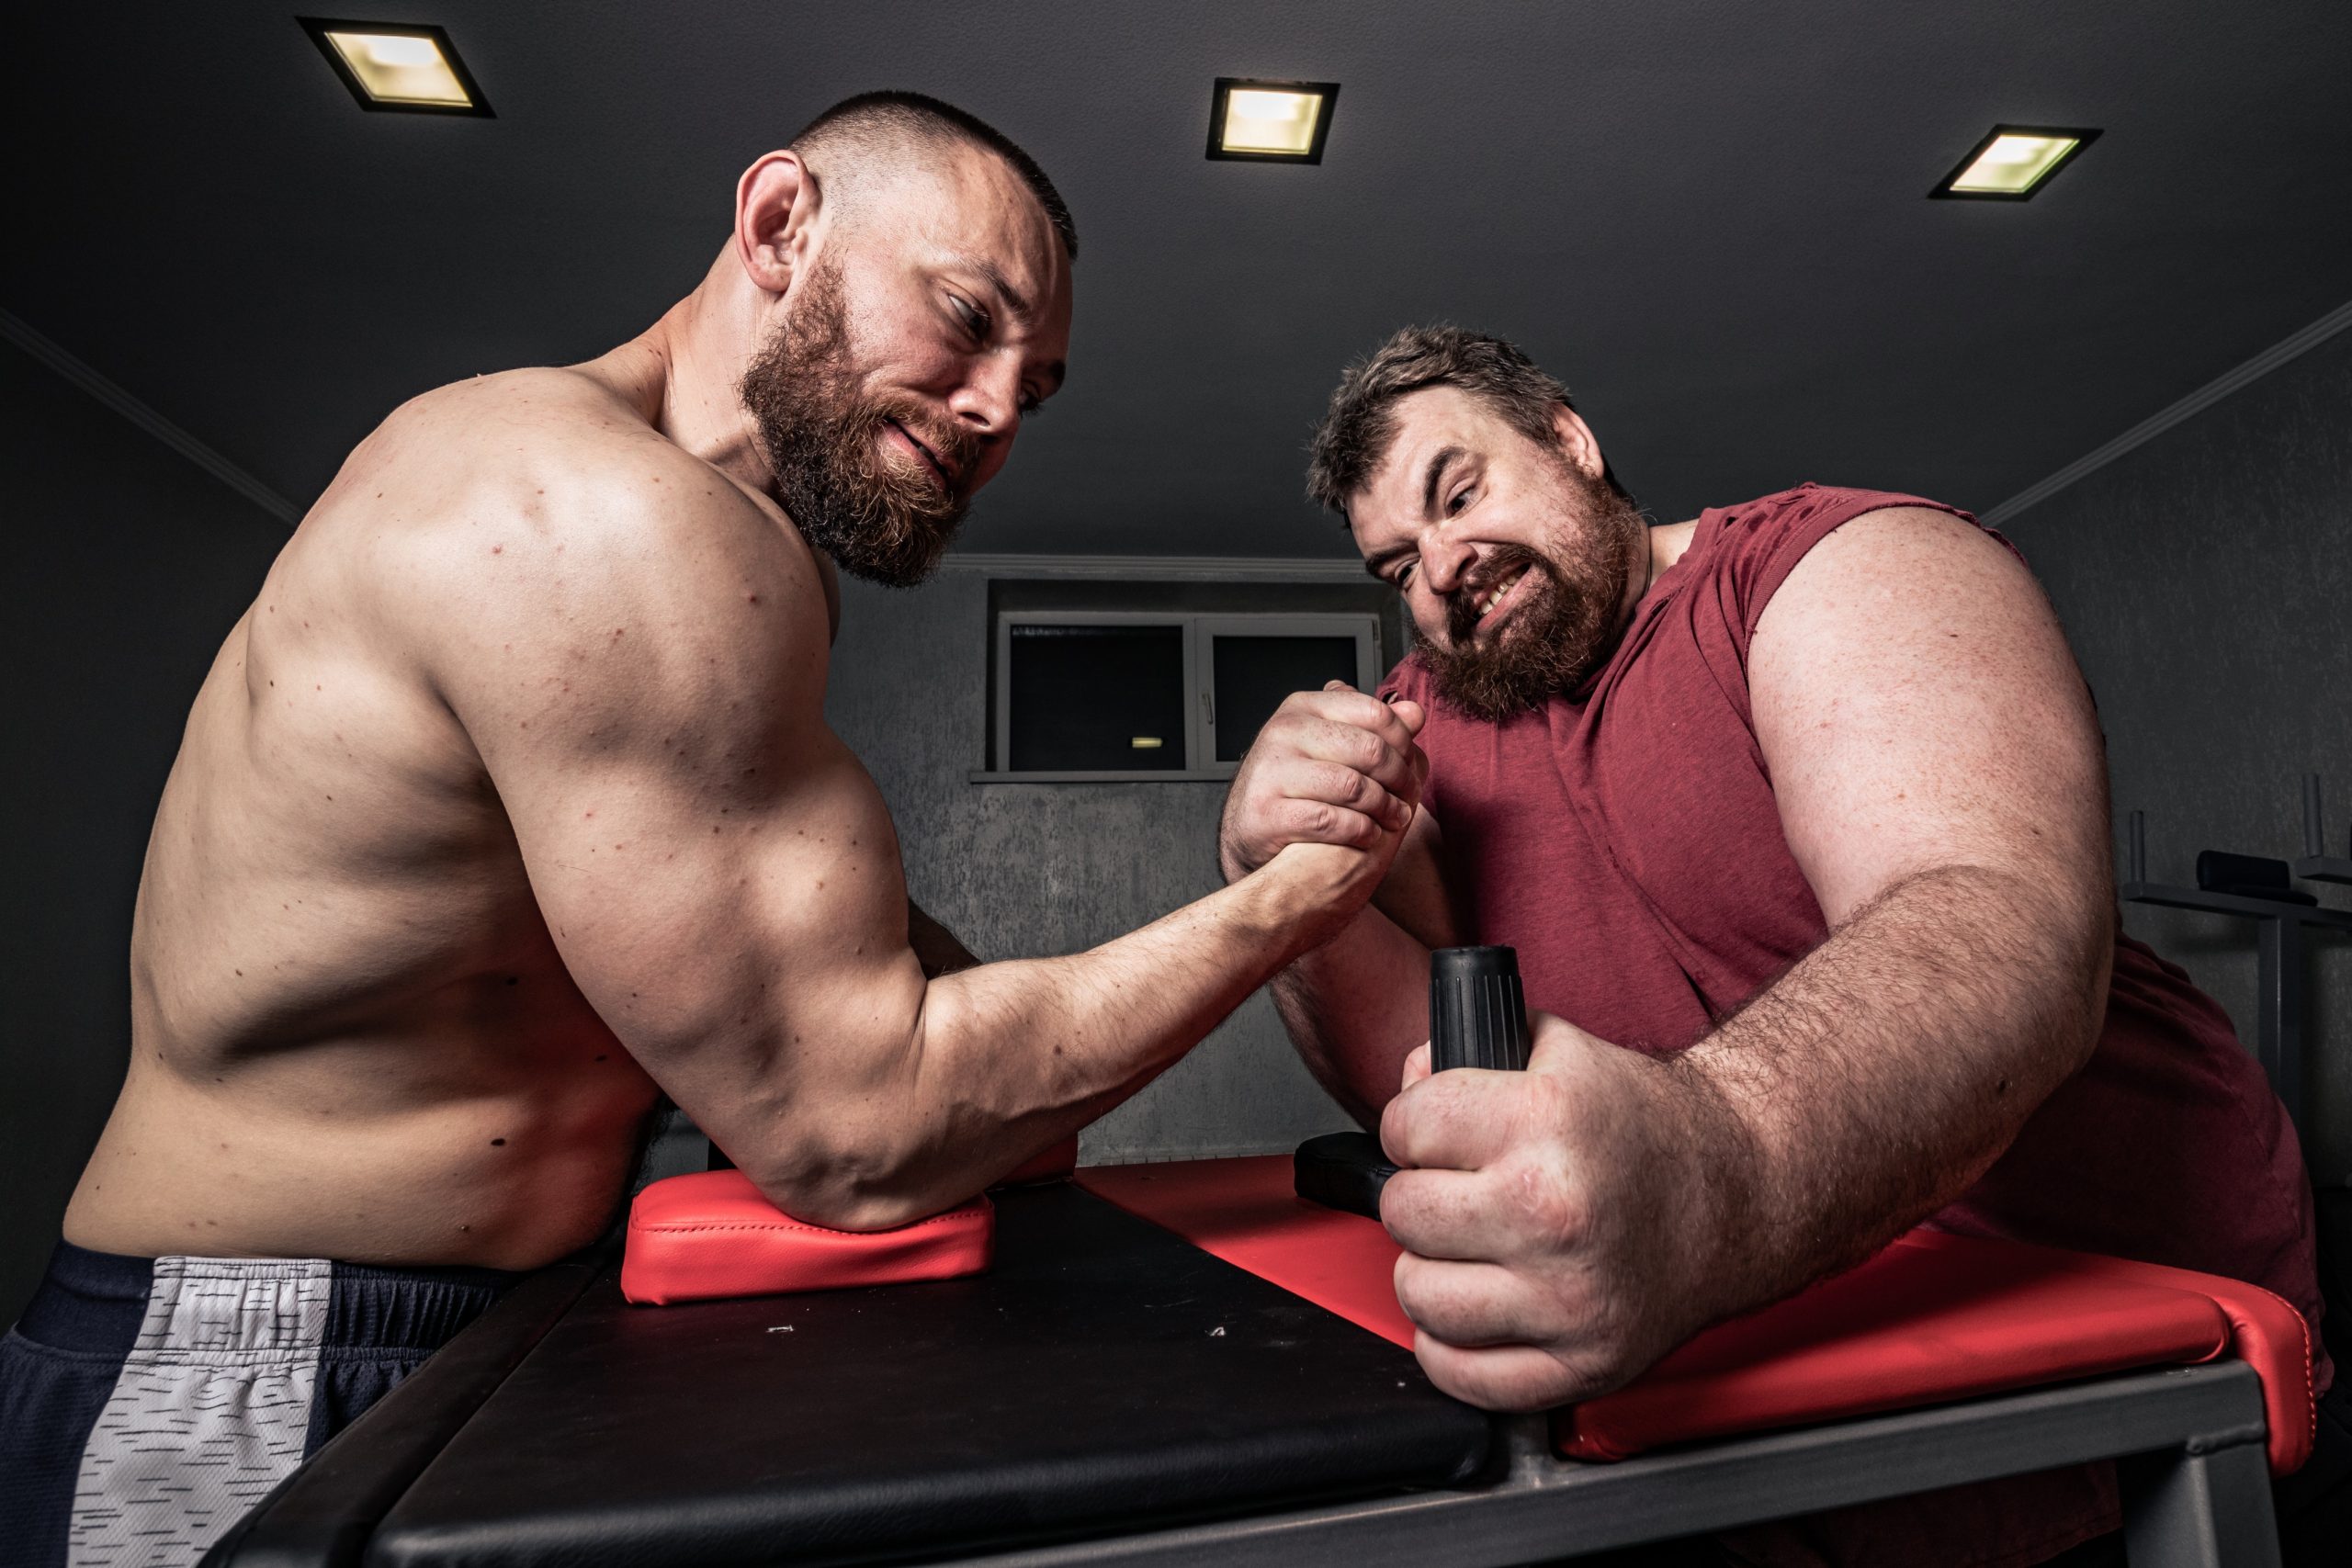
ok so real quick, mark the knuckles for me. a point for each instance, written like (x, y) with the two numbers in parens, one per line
(1549, 1211)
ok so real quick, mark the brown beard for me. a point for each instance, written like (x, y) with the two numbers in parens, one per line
(882, 521)
(1569, 618)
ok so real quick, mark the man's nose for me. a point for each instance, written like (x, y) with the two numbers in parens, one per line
(988, 403)
(1444, 565)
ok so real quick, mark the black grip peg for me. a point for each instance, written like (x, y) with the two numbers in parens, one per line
(1478, 1012)
(1477, 1018)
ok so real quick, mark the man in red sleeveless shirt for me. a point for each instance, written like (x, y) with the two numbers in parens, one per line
(1797, 816)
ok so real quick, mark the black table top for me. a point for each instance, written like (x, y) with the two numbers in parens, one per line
(1104, 1376)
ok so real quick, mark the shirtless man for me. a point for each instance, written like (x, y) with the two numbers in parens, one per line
(1796, 812)
(509, 805)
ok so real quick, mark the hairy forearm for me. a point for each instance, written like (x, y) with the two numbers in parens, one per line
(1355, 1007)
(1883, 1075)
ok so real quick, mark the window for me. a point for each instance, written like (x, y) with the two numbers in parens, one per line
(1096, 694)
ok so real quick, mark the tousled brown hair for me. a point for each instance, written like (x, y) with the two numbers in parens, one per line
(1362, 421)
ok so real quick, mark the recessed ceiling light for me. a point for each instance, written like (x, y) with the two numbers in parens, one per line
(1278, 122)
(408, 67)
(2013, 163)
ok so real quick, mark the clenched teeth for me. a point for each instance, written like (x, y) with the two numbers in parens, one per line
(1495, 595)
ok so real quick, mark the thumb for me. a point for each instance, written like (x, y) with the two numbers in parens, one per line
(1409, 714)
(1417, 1067)
(1337, 686)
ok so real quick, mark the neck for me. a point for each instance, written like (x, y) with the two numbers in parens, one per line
(1668, 542)
(683, 373)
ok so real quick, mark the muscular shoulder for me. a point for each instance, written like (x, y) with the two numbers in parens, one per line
(532, 534)
(1899, 564)
(552, 455)
(1745, 553)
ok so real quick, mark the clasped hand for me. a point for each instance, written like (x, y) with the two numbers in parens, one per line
(1336, 766)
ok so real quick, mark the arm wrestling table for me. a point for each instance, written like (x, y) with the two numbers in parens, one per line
(1112, 1393)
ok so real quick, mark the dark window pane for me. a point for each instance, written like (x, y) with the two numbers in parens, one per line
(1083, 696)
(1253, 675)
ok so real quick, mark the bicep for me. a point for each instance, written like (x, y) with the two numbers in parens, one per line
(717, 931)
(1918, 708)
(716, 870)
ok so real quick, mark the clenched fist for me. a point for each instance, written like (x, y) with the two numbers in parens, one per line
(1331, 767)
(1563, 1227)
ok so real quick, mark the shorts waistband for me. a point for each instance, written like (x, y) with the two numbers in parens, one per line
(94, 1301)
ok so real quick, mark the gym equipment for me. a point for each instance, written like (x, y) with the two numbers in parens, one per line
(2317, 864)
(1477, 1018)
(1478, 1013)
(711, 1234)
(2250, 887)
(1110, 1392)
(1342, 1170)
(1933, 1316)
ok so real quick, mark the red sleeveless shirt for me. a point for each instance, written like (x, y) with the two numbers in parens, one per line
(1625, 841)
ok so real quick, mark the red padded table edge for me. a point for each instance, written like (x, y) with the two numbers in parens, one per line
(711, 1234)
(1932, 1318)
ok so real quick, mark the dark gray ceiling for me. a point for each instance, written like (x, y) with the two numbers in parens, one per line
(1707, 215)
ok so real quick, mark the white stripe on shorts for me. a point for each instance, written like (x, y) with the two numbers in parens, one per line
(210, 1410)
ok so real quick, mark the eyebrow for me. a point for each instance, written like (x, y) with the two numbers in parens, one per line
(1016, 305)
(1437, 470)
(1377, 564)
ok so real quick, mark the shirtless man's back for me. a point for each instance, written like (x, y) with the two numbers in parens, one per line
(355, 1033)
(510, 806)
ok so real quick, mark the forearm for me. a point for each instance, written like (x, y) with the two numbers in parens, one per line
(1355, 1008)
(1010, 1057)
(1884, 1074)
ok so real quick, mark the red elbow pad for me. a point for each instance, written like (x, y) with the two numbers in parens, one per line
(710, 1234)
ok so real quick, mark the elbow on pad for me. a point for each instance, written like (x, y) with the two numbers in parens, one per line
(712, 1234)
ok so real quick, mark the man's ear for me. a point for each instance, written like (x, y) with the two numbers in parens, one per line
(775, 212)
(1577, 442)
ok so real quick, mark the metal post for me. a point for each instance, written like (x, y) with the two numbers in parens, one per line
(2198, 1507)
(2281, 1024)
(2139, 847)
(2314, 830)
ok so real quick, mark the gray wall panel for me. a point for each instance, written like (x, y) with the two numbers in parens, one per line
(2206, 584)
(1027, 869)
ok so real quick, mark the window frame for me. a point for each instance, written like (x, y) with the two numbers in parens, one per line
(1200, 682)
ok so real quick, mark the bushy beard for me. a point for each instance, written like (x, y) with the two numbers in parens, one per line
(1567, 620)
(883, 520)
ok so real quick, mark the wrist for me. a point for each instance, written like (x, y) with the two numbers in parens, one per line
(1731, 1222)
(1294, 898)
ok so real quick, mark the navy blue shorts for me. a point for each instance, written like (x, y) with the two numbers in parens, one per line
(147, 1403)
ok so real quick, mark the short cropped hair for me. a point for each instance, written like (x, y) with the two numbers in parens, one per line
(1362, 421)
(887, 123)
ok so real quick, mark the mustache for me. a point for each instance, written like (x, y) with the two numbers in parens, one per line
(1462, 605)
(954, 448)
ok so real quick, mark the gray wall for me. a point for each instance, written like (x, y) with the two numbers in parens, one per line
(2205, 579)
(1027, 869)
(126, 565)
